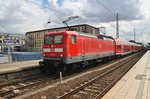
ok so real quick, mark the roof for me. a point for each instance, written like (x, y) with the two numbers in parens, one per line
(11, 34)
(74, 33)
(61, 28)
(119, 42)
(64, 32)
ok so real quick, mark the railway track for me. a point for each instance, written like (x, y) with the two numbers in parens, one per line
(98, 86)
(20, 86)
(16, 88)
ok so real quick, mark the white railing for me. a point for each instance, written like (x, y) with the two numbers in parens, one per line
(4, 59)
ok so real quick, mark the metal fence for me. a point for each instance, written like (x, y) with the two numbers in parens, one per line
(24, 56)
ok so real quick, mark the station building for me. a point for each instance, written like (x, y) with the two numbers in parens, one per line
(34, 39)
(12, 39)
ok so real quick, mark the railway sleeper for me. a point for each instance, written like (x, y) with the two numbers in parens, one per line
(92, 90)
(76, 96)
(94, 87)
(84, 95)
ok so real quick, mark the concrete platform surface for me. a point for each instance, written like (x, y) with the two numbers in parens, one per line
(135, 84)
(18, 66)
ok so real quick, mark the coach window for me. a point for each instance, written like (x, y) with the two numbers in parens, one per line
(73, 39)
(119, 46)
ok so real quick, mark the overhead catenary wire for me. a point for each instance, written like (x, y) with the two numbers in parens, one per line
(110, 11)
(49, 8)
(114, 15)
(46, 7)
(3, 28)
(106, 8)
(123, 17)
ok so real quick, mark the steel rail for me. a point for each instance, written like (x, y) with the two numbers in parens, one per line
(67, 94)
(27, 80)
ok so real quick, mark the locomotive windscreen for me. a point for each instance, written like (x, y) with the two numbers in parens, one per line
(53, 39)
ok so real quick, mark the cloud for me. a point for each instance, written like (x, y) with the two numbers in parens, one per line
(93, 13)
(21, 16)
(103, 11)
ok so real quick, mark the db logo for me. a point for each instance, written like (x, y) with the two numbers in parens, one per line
(52, 50)
(52, 54)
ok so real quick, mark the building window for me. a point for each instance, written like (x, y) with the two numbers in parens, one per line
(79, 29)
(83, 28)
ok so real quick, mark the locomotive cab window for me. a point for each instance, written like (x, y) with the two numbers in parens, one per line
(48, 40)
(58, 39)
(73, 39)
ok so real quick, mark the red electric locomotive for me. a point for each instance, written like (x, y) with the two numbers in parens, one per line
(70, 49)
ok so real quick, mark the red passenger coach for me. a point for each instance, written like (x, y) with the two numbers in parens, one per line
(70, 48)
(123, 47)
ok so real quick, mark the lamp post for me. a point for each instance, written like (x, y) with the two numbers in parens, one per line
(9, 55)
(8, 48)
(47, 25)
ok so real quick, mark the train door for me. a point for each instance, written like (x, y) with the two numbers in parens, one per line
(73, 46)
(118, 48)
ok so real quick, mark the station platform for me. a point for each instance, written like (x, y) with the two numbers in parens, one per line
(18, 66)
(135, 84)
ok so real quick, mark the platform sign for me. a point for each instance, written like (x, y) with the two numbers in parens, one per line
(12, 41)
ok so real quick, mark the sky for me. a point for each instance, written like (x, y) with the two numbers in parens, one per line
(21, 16)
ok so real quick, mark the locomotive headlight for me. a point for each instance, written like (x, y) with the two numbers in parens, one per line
(43, 54)
(61, 55)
